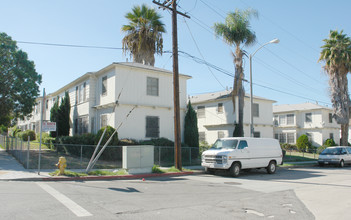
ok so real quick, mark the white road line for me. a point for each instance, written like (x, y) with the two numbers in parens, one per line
(74, 207)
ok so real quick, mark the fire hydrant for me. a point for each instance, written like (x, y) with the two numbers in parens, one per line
(61, 165)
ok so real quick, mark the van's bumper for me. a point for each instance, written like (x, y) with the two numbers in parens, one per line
(215, 166)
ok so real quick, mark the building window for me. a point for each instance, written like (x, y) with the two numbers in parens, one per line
(290, 138)
(257, 134)
(81, 125)
(330, 118)
(310, 136)
(104, 86)
(152, 126)
(76, 95)
(282, 138)
(331, 136)
(255, 110)
(200, 111)
(103, 121)
(276, 136)
(290, 119)
(308, 117)
(220, 134)
(282, 119)
(276, 120)
(152, 86)
(220, 108)
(202, 136)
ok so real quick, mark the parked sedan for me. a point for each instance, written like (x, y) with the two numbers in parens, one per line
(335, 156)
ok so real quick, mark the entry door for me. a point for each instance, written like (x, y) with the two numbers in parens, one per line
(244, 154)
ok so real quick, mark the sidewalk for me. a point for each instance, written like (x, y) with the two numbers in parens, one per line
(12, 170)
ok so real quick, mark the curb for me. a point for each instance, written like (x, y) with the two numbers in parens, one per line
(94, 178)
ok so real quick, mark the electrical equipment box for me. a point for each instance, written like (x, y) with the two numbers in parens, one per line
(138, 159)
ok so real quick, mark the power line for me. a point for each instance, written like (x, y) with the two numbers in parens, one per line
(69, 45)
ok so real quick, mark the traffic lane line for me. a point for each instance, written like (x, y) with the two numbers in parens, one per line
(71, 205)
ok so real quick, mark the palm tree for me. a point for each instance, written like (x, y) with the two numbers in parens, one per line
(143, 34)
(336, 53)
(236, 32)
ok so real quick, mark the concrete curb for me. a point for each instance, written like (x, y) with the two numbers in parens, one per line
(94, 178)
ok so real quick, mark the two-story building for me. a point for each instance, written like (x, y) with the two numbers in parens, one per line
(316, 121)
(216, 117)
(105, 97)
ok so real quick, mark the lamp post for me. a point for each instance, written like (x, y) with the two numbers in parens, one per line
(274, 41)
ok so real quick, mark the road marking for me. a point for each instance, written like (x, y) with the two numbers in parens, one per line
(74, 207)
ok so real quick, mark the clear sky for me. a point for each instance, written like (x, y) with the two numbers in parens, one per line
(287, 72)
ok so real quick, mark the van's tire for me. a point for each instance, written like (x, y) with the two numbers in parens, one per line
(235, 169)
(272, 167)
(341, 164)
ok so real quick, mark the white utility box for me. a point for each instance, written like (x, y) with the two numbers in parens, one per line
(138, 159)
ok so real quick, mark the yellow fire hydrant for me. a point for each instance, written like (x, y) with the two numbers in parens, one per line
(61, 165)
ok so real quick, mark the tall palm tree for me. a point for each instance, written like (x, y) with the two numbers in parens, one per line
(143, 34)
(236, 32)
(336, 53)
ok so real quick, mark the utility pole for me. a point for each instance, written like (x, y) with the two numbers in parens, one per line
(177, 135)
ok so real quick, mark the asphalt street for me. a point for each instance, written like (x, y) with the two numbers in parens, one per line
(304, 193)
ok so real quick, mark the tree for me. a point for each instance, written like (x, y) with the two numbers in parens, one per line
(143, 34)
(336, 53)
(236, 32)
(191, 133)
(303, 143)
(63, 116)
(54, 116)
(19, 81)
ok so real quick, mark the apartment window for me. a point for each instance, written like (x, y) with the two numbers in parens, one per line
(282, 119)
(257, 134)
(276, 121)
(255, 110)
(202, 136)
(220, 108)
(152, 126)
(308, 117)
(290, 119)
(220, 134)
(104, 86)
(276, 136)
(330, 118)
(103, 121)
(310, 136)
(282, 138)
(200, 111)
(331, 136)
(77, 95)
(290, 138)
(81, 125)
(152, 86)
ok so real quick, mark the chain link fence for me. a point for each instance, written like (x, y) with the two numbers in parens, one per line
(78, 156)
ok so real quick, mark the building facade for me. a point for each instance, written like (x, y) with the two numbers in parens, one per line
(316, 121)
(216, 117)
(107, 96)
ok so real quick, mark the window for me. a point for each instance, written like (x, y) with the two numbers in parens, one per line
(290, 138)
(349, 150)
(220, 108)
(331, 136)
(242, 145)
(282, 138)
(84, 91)
(255, 110)
(47, 104)
(308, 117)
(310, 136)
(330, 118)
(257, 134)
(103, 121)
(104, 86)
(276, 120)
(202, 136)
(220, 134)
(200, 111)
(76, 95)
(81, 125)
(276, 136)
(152, 127)
(290, 119)
(282, 119)
(152, 86)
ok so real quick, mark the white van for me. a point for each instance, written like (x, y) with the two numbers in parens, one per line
(238, 153)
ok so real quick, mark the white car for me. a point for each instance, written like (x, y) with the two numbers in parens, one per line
(335, 156)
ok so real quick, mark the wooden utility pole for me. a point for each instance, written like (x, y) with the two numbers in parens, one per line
(177, 134)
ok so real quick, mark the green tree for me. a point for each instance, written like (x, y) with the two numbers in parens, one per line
(63, 116)
(191, 132)
(18, 79)
(143, 34)
(336, 53)
(54, 116)
(303, 143)
(236, 32)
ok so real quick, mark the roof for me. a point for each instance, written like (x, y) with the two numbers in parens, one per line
(298, 107)
(214, 96)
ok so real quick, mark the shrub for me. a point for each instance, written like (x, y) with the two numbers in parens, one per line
(158, 142)
(109, 132)
(320, 149)
(23, 135)
(288, 147)
(302, 143)
(13, 131)
(156, 169)
(3, 129)
(329, 143)
(127, 142)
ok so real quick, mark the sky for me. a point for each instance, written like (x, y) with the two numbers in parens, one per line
(287, 72)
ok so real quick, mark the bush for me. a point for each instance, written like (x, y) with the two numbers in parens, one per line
(109, 132)
(3, 129)
(329, 143)
(13, 131)
(158, 142)
(302, 143)
(320, 149)
(127, 142)
(23, 135)
(288, 147)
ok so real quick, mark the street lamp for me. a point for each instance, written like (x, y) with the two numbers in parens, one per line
(274, 41)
